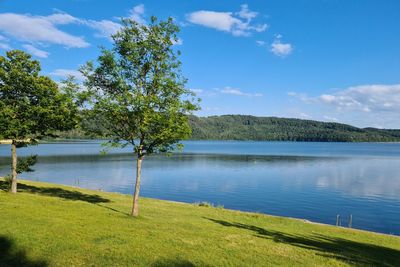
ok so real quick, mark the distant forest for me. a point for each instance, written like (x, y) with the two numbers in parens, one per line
(244, 127)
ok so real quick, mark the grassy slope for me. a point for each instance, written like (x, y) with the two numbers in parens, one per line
(64, 226)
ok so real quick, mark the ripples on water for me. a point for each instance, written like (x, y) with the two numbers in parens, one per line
(314, 181)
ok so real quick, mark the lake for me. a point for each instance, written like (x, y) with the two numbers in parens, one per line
(313, 181)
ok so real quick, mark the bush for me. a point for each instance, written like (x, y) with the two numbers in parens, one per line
(208, 205)
(7, 180)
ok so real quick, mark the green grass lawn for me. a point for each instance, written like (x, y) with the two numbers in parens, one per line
(53, 225)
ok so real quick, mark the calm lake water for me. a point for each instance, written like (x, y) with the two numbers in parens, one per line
(314, 181)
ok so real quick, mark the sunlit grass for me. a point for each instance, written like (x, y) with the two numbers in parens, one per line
(48, 224)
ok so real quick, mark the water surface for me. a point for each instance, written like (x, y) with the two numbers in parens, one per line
(314, 181)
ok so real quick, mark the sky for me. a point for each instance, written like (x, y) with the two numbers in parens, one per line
(327, 60)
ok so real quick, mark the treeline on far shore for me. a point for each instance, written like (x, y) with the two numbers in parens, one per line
(245, 127)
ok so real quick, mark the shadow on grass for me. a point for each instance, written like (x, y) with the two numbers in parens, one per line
(57, 192)
(115, 210)
(10, 255)
(351, 252)
(172, 263)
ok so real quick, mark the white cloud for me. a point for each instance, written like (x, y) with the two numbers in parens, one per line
(238, 24)
(64, 73)
(328, 118)
(277, 47)
(5, 46)
(304, 116)
(327, 98)
(238, 92)
(365, 98)
(35, 51)
(197, 91)
(104, 28)
(39, 29)
(44, 30)
(61, 19)
(245, 12)
(224, 91)
(222, 21)
(177, 42)
(371, 105)
(137, 13)
(260, 43)
(281, 49)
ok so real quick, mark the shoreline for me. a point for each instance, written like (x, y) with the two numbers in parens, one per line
(68, 226)
(194, 204)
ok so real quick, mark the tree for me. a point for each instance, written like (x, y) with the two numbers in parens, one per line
(138, 91)
(31, 107)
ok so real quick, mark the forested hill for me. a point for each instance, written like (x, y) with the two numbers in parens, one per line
(243, 127)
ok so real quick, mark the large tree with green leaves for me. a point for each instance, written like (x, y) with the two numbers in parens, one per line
(139, 97)
(31, 107)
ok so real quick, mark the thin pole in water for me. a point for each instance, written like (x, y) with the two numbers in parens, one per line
(337, 219)
(351, 221)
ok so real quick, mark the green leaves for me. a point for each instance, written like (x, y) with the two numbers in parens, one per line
(31, 105)
(25, 164)
(138, 90)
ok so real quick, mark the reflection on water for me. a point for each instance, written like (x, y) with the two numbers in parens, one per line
(316, 184)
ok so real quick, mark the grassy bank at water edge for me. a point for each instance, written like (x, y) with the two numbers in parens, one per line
(53, 225)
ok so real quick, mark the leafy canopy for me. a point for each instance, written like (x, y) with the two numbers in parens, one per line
(31, 105)
(138, 90)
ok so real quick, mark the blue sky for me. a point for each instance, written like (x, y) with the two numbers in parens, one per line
(329, 60)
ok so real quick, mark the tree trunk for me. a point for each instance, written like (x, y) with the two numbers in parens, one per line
(135, 208)
(13, 168)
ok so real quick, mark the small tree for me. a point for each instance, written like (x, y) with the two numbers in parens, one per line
(31, 106)
(139, 97)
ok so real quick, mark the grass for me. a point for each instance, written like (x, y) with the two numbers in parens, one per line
(52, 225)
